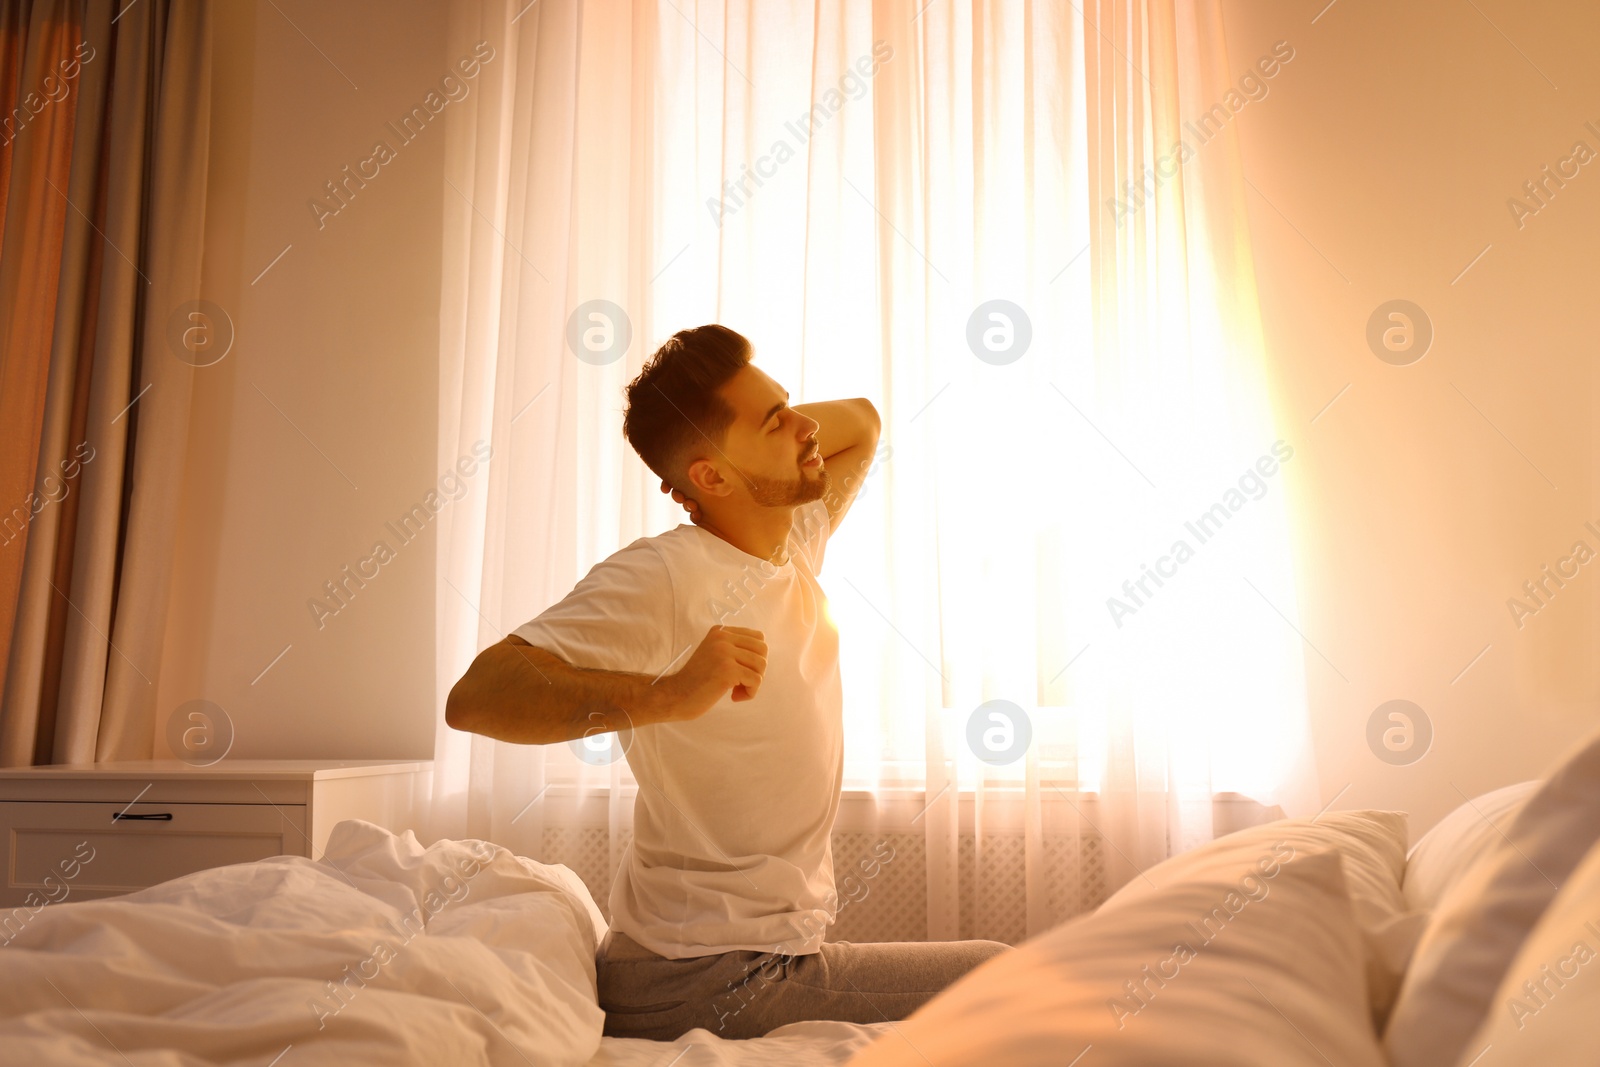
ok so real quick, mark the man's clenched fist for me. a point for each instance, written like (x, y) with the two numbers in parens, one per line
(729, 657)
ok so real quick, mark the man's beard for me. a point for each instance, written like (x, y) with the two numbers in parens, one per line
(777, 493)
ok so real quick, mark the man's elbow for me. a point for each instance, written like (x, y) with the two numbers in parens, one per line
(459, 711)
(867, 426)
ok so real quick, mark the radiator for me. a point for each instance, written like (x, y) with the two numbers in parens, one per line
(892, 903)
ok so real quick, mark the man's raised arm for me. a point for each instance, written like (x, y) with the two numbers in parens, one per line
(847, 436)
(518, 692)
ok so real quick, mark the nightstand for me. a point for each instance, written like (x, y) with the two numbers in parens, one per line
(147, 821)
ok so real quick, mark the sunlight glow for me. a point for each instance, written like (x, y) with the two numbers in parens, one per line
(1022, 541)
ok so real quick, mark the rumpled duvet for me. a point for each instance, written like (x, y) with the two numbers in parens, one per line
(381, 952)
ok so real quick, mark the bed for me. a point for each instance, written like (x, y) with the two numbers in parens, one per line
(1309, 941)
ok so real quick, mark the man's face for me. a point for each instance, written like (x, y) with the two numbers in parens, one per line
(772, 445)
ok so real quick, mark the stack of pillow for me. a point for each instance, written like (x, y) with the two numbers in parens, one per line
(1501, 974)
(1301, 941)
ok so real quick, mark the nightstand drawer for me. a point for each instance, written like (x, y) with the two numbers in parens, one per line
(60, 850)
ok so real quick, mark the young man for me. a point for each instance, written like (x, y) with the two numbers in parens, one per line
(709, 649)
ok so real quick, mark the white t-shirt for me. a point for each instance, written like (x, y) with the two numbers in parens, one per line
(732, 820)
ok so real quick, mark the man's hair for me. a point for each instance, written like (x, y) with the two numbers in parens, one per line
(673, 404)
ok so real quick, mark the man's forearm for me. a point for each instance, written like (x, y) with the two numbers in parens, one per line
(527, 695)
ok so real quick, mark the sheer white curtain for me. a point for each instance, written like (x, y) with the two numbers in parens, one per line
(975, 216)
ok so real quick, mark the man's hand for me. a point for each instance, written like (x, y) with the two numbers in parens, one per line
(691, 505)
(729, 657)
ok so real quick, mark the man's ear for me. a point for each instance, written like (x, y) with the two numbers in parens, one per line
(705, 480)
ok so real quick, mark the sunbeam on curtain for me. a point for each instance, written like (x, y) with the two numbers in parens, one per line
(1064, 594)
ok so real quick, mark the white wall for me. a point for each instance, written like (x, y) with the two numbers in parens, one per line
(341, 334)
(1382, 159)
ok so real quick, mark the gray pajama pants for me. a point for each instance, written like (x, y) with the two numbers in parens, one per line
(744, 994)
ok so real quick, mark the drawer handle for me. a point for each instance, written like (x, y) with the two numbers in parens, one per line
(159, 816)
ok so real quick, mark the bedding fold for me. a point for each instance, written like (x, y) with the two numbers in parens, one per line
(382, 951)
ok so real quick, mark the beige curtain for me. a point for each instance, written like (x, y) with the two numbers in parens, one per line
(103, 182)
(932, 205)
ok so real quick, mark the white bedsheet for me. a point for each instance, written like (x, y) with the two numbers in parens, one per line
(233, 965)
(811, 1044)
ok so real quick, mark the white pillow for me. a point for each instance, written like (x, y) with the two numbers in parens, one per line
(1372, 844)
(1486, 915)
(1222, 968)
(1445, 852)
(1547, 1009)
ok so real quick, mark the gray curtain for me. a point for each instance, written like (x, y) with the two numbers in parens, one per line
(104, 136)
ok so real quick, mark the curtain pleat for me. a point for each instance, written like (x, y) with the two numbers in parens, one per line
(43, 617)
(39, 152)
(180, 135)
(13, 35)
